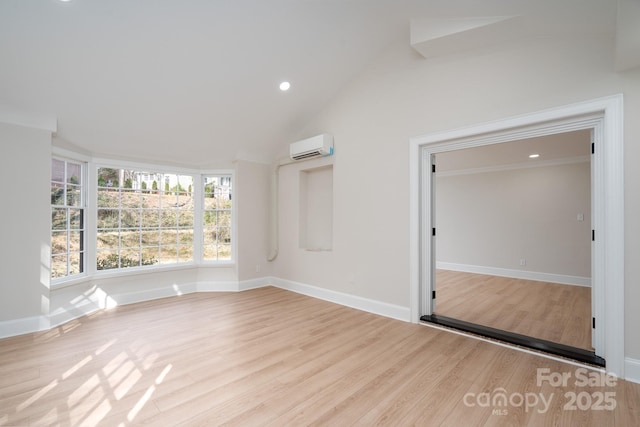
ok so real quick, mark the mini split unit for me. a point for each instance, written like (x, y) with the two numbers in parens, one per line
(321, 145)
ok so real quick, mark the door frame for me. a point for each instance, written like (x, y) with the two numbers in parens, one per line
(605, 117)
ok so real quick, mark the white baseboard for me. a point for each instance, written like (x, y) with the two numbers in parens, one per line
(516, 274)
(96, 299)
(353, 301)
(26, 325)
(632, 370)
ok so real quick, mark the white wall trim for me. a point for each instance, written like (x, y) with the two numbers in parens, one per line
(96, 299)
(353, 301)
(516, 274)
(25, 325)
(260, 282)
(605, 116)
(632, 370)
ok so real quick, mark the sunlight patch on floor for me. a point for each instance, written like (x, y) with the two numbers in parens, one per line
(37, 396)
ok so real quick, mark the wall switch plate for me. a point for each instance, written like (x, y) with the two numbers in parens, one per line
(580, 217)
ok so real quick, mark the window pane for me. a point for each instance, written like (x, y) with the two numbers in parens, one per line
(75, 219)
(150, 219)
(185, 218)
(108, 218)
(108, 198)
(57, 194)
(185, 237)
(57, 170)
(224, 235)
(224, 218)
(107, 260)
(210, 202)
(210, 218)
(74, 173)
(58, 218)
(224, 202)
(150, 238)
(168, 237)
(210, 236)
(130, 218)
(168, 254)
(108, 239)
(151, 201)
(168, 201)
(184, 199)
(185, 253)
(108, 177)
(150, 256)
(75, 242)
(58, 242)
(210, 252)
(130, 199)
(168, 219)
(130, 239)
(74, 196)
(129, 258)
(58, 266)
(224, 252)
(75, 263)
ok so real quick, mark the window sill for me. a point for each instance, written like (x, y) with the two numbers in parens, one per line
(108, 274)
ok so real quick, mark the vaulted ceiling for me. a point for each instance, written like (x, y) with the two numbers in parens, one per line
(195, 82)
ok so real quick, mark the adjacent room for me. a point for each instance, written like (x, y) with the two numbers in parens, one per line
(513, 247)
(242, 212)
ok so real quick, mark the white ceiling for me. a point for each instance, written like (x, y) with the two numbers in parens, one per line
(195, 82)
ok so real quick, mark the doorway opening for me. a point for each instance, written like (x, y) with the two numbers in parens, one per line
(603, 120)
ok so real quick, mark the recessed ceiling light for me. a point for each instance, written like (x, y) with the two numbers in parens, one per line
(534, 156)
(284, 86)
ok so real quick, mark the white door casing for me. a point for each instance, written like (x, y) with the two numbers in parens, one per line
(605, 117)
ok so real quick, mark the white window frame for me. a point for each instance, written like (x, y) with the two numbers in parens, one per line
(90, 171)
(119, 249)
(67, 156)
(232, 230)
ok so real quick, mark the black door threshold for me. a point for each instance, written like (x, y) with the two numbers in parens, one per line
(578, 354)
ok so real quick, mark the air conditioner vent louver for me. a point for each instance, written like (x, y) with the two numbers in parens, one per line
(306, 155)
(321, 145)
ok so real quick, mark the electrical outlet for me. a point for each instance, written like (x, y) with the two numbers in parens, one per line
(257, 268)
(523, 261)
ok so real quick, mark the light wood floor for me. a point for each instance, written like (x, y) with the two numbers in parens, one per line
(549, 311)
(275, 358)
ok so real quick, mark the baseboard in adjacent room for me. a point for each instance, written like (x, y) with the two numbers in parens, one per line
(516, 274)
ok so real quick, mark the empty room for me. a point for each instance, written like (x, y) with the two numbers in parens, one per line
(291, 213)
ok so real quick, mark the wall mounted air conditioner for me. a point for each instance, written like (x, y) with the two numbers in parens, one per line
(321, 145)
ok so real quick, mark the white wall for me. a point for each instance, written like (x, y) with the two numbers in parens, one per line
(497, 218)
(403, 95)
(253, 200)
(25, 164)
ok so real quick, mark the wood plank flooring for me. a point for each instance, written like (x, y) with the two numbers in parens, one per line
(549, 311)
(269, 357)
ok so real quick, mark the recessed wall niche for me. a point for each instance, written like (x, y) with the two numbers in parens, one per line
(316, 209)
